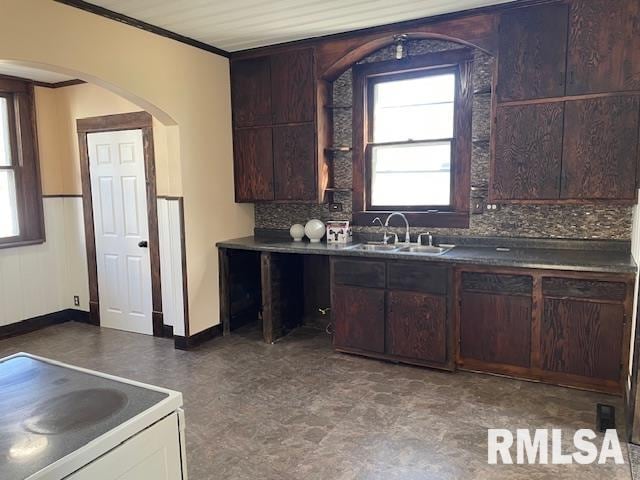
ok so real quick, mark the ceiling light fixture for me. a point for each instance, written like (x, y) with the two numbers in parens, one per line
(400, 47)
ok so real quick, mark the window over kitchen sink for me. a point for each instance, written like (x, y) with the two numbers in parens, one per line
(412, 138)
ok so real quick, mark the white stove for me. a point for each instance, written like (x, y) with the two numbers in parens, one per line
(60, 421)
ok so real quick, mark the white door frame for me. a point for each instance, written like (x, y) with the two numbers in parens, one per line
(109, 123)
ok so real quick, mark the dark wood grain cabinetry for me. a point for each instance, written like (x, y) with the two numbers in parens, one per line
(604, 46)
(600, 148)
(401, 308)
(532, 53)
(253, 164)
(565, 328)
(275, 93)
(583, 327)
(293, 155)
(567, 135)
(416, 326)
(358, 315)
(251, 92)
(528, 152)
(292, 87)
(582, 338)
(495, 318)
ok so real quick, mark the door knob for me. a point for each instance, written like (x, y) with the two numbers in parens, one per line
(143, 244)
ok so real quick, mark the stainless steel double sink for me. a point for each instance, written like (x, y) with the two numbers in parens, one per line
(406, 248)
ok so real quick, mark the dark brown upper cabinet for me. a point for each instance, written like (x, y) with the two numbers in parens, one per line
(251, 92)
(604, 46)
(532, 53)
(292, 87)
(253, 164)
(273, 90)
(600, 148)
(528, 152)
(293, 159)
(274, 98)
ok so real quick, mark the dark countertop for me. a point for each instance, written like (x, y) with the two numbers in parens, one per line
(593, 260)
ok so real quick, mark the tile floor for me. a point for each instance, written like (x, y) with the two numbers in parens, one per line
(296, 410)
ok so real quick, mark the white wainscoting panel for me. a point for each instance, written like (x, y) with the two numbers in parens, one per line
(76, 279)
(31, 276)
(169, 231)
(40, 279)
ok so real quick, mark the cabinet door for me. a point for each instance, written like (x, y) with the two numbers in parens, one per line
(251, 92)
(582, 338)
(604, 46)
(294, 161)
(358, 316)
(253, 164)
(600, 148)
(416, 326)
(532, 53)
(528, 152)
(495, 328)
(292, 85)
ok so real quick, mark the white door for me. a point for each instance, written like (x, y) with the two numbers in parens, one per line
(118, 191)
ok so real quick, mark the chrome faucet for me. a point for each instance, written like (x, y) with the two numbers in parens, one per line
(429, 238)
(407, 238)
(385, 237)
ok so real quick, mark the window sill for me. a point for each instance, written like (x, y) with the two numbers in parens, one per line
(416, 219)
(21, 243)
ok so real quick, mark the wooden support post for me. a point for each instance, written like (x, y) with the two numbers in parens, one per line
(225, 297)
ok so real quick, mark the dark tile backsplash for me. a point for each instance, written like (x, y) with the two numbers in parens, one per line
(540, 221)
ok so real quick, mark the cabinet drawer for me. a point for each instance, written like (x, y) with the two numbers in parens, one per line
(418, 277)
(360, 273)
(491, 282)
(576, 288)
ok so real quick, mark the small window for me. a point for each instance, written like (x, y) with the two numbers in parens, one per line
(21, 219)
(412, 139)
(9, 226)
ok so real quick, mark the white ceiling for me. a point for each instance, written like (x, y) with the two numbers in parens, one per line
(30, 73)
(240, 24)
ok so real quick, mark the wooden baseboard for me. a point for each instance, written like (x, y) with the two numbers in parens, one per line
(167, 331)
(43, 321)
(187, 343)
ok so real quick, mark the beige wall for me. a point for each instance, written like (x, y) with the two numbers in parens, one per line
(183, 87)
(57, 111)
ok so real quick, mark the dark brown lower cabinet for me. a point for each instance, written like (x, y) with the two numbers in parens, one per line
(393, 310)
(566, 328)
(582, 338)
(416, 326)
(358, 317)
(495, 328)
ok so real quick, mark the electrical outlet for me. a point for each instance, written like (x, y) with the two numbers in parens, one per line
(76, 300)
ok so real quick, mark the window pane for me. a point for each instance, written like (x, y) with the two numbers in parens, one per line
(416, 109)
(411, 175)
(423, 122)
(5, 145)
(432, 88)
(8, 207)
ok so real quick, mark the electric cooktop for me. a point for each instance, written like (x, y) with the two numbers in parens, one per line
(48, 411)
